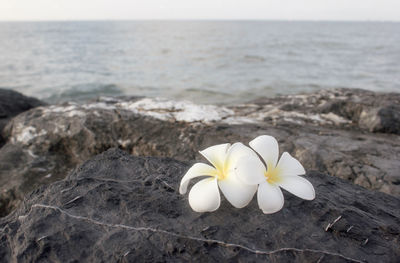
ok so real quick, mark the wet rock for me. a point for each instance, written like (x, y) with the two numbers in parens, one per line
(45, 143)
(119, 208)
(13, 103)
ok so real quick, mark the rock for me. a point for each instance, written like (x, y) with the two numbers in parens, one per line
(382, 119)
(366, 110)
(13, 103)
(119, 208)
(45, 143)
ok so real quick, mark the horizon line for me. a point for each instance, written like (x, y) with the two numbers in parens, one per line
(199, 20)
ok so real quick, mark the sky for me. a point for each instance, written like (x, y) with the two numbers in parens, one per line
(28, 10)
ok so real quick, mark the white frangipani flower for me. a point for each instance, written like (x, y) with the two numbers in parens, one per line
(204, 195)
(285, 174)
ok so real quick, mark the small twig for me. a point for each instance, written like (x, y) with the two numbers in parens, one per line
(365, 242)
(73, 200)
(330, 225)
(40, 238)
(164, 182)
(321, 258)
(65, 190)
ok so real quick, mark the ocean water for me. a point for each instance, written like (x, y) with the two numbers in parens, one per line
(222, 62)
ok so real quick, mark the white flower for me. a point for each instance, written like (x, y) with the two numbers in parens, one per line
(284, 173)
(204, 195)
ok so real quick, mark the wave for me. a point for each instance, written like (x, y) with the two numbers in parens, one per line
(85, 92)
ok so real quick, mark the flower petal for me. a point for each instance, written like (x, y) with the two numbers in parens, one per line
(237, 193)
(270, 198)
(289, 166)
(236, 152)
(298, 186)
(198, 169)
(250, 170)
(216, 154)
(204, 196)
(267, 147)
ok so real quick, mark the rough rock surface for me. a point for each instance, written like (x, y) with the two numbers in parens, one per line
(366, 110)
(45, 143)
(13, 103)
(119, 208)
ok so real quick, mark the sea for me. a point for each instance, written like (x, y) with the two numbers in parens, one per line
(211, 62)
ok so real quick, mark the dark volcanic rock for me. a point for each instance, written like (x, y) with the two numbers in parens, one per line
(45, 143)
(13, 103)
(119, 208)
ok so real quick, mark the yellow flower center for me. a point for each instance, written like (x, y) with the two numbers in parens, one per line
(272, 175)
(220, 174)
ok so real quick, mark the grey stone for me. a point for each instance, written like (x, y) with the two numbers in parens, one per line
(353, 108)
(13, 103)
(120, 208)
(46, 143)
